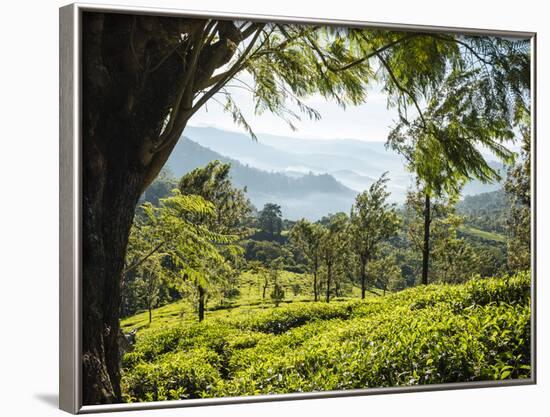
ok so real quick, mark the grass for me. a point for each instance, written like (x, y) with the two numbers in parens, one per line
(430, 334)
(482, 234)
(249, 301)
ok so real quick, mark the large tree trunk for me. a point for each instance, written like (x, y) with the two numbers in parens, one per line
(426, 247)
(111, 189)
(117, 164)
(133, 77)
(107, 218)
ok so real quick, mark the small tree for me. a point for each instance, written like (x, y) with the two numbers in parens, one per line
(278, 294)
(385, 273)
(306, 236)
(372, 221)
(518, 189)
(271, 219)
(257, 268)
(151, 271)
(145, 273)
(452, 258)
(231, 210)
(181, 229)
(422, 214)
(334, 244)
(143, 289)
(442, 146)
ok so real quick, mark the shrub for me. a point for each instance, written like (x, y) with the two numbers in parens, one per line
(178, 375)
(277, 295)
(434, 334)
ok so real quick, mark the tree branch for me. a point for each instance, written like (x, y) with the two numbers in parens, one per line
(228, 74)
(212, 30)
(462, 43)
(403, 89)
(246, 33)
(171, 138)
(149, 254)
(360, 60)
(287, 41)
(189, 70)
(163, 59)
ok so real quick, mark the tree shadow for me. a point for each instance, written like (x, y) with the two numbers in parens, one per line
(50, 399)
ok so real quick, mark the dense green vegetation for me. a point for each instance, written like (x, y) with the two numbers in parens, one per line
(197, 242)
(251, 320)
(434, 334)
(379, 247)
(486, 211)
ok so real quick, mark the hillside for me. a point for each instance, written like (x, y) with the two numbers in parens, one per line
(352, 162)
(471, 332)
(482, 234)
(484, 203)
(486, 211)
(309, 195)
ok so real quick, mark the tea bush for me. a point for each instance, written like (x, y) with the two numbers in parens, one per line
(178, 375)
(434, 334)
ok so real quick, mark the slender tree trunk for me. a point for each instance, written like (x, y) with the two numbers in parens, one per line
(426, 248)
(150, 297)
(363, 278)
(315, 298)
(202, 294)
(329, 278)
(266, 283)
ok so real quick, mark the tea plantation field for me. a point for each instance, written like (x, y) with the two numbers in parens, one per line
(433, 334)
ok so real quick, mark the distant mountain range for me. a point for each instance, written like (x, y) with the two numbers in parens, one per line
(308, 178)
(306, 195)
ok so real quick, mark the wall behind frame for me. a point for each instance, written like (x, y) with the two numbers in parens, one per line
(28, 213)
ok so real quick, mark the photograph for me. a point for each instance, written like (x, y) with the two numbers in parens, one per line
(278, 206)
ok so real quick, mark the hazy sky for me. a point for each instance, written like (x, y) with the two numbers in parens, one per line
(370, 121)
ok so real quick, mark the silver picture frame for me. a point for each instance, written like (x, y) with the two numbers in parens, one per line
(70, 397)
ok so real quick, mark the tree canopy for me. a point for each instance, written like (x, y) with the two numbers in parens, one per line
(270, 219)
(307, 237)
(213, 183)
(373, 220)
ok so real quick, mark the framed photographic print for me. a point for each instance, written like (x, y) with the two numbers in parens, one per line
(259, 208)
